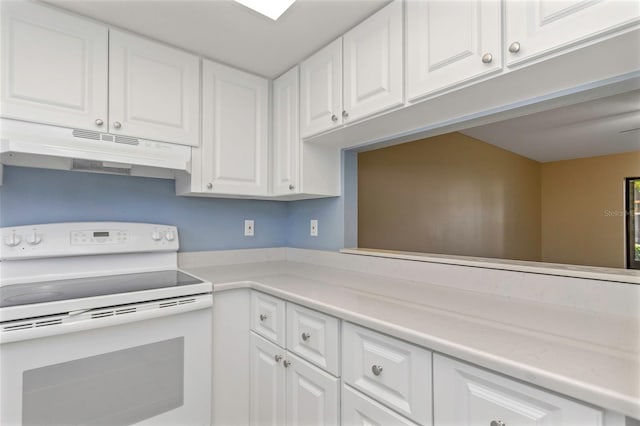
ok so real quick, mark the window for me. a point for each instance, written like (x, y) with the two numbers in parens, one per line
(633, 223)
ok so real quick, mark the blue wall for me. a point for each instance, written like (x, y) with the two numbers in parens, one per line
(34, 196)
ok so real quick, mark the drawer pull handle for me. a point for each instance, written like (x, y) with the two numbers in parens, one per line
(286, 363)
(377, 369)
(498, 423)
(305, 336)
(263, 317)
(278, 358)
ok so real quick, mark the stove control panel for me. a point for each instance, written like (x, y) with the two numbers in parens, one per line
(85, 238)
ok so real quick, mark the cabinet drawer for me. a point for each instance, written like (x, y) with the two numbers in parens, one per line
(468, 395)
(314, 336)
(267, 317)
(393, 372)
(358, 410)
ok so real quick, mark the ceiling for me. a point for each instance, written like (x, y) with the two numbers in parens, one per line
(231, 33)
(582, 130)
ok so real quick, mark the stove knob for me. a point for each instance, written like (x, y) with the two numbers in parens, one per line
(13, 240)
(34, 239)
(170, 236)
(157, 236)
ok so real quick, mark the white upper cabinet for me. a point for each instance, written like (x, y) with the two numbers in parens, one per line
(54, 67)
(373, 64)
(538, 27)
(286, 135)
(235, 113)
(154, 90)
(451, 42)
(321, 90)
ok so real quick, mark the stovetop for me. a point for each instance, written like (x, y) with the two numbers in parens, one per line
(78, 288)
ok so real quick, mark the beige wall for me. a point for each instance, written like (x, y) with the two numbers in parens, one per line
(450, 194)
(582, 209)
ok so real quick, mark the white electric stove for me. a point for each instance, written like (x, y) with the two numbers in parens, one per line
(98, 326)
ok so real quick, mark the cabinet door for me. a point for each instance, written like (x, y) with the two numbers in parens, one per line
(286, 137)
(312, 395)
(268, 383)
(451, 42)
(54, 67)
(538, 27)
(358, 410)
(467, 395)
(234, 131)
(373, 64)
(154, 90)
(321, 90)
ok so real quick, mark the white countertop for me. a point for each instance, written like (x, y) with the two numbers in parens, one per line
(590, 356)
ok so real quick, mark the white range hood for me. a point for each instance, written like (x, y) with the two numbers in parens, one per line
(44, 146)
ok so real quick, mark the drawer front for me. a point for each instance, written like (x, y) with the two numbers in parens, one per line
(468, 395)
(268, 317)
(392, 372)
(359, 410)
(314, 336)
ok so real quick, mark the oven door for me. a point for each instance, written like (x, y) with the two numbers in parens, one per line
(144, 364)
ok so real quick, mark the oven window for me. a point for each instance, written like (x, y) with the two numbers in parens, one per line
(116, 388)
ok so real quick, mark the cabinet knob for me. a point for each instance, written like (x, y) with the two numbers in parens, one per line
(278, 358)
(263, 317)
(209, 185)
(345, 114)
(305, 336)
(376, 370)
(117, 124)
(286, 363)
(514, 47)
(497, 423)
(334, 118)
(99, 122)
(487, 58)
(291, 187)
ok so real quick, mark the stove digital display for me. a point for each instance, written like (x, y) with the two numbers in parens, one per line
(100, 234)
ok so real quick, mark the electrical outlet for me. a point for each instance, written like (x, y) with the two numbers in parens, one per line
(314, 228)
(248, 228)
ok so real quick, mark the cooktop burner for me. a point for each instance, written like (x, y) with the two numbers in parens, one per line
(51, 291)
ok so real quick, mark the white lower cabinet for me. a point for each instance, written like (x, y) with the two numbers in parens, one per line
(467, 395)
(393, 372)
(359, 410)
(285, 389)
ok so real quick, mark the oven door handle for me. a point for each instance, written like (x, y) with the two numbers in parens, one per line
(86, 320)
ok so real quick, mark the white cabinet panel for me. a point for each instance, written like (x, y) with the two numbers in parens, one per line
(467, 395)
(235, 114)
(312, 395)
(542, 26)
(393, 372)
(373, 68)
(268, 383)
(268, 317)
(358, 410)
(54, 67)
(451, 42)
(314, 336)
(153, 90)
(321, 90)
(286, 135)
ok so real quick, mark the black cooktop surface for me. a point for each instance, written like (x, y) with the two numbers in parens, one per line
(77, 288)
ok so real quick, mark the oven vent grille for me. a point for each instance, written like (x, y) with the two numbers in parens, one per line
(23, 325)
(112, 312)
(168, 304)
(185, 301)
